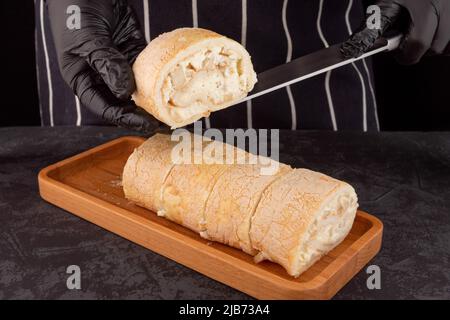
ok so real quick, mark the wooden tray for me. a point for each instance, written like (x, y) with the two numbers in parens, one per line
(88, 185)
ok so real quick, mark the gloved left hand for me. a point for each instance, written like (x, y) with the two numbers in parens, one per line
(95, 58)
(426, 24)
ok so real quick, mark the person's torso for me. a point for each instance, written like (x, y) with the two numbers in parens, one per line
(274, 32)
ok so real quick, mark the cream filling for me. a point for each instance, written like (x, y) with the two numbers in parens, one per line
(327, 230)
(208, 78)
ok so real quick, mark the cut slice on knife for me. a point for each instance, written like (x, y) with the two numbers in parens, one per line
(185, 74)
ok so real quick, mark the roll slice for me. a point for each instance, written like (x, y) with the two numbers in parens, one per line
(233, 201)
(301, 217)
(189, 185)
(146, 170)
(183, 75)
(161, 177)
(185, 194)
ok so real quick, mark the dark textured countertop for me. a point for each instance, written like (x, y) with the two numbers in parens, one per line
(402, 178)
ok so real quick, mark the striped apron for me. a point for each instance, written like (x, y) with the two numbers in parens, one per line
(274, 32)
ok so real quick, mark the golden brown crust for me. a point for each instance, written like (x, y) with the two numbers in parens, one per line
(292, 217)
(188, 186)
(186, 191)
(286, 213)
(156, 55)
(233, 201)
(146, 170)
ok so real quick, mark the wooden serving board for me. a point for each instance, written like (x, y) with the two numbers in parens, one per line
(89, 186)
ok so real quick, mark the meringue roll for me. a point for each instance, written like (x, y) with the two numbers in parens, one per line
(292, 217)
(185, 74)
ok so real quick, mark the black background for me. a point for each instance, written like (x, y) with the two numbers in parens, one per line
(20, 101)
(409, 97)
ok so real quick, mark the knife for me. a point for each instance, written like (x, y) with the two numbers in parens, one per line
(312, 65)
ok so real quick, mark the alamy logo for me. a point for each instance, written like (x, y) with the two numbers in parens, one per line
(74, 280)
(73, 21)
(200, 149)
(374, 280)
(374, 17)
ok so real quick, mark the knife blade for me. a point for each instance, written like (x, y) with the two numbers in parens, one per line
(312, 65)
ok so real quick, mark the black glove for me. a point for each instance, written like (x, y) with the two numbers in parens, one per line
(425, 23)
(95, 59)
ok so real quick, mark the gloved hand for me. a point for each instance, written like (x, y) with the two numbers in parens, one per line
(95, 59)
(426, 24)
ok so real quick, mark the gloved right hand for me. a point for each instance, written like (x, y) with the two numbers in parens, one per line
(95, 59)
(426, 24)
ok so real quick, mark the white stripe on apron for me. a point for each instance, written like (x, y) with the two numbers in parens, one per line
(38, 72)
(372, 91)
(328, 74)
(366, 69)
(244, 44)
(194, 14)
(77, 106)
(288, 59)
(364, 97)
(363, 85)
(147, 20)
(47, 64)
